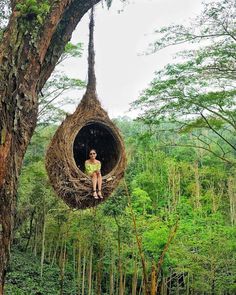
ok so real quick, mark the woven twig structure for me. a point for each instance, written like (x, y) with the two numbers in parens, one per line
(89, 127)
(68, 180)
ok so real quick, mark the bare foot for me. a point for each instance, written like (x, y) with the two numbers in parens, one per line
(95, 195)
(100, 194)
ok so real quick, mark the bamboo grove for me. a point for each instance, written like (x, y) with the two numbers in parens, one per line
(57, 250)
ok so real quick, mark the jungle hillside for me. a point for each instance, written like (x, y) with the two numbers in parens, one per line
(170, 226)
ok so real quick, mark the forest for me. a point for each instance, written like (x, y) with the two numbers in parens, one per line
(169, 227)
(179, 192)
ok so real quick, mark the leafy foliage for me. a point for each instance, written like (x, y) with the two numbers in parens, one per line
(198, 93)
(164, 185)
(104, 250)
(24, 274)
(31, 9)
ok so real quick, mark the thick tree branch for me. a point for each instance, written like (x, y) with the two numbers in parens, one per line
(213, 112)
(217, 133)
(65, 28)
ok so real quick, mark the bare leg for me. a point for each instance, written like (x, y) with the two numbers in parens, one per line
(99, 177)
(94, 181)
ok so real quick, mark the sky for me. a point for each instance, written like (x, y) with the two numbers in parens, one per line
(122, 36)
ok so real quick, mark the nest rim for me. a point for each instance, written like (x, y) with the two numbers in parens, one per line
(112, 133)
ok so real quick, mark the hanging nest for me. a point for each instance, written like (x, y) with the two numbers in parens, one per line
(89, 127)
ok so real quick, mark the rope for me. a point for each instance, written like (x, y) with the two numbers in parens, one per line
(91, 55)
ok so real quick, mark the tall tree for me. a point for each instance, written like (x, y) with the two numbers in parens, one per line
(31, 45)
(197, 94)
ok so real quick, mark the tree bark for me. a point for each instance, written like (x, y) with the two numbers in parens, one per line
(197, 185)
(135, 278)
(153, 279)
(111, 288)
(83, 278)
(120, 270)
(56, 249)
(139, 245)
(90, 272)
(30, 229)
(79, 271)
(62, 263)
(99, 274)
(124, 283)
(43, 242)
(34, 248)
(232, 199)
(74, 266)
(140, 287)
(29, 52)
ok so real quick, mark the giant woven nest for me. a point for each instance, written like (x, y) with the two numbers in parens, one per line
(89, 127)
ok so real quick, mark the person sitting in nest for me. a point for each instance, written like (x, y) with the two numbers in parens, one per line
(93, 169)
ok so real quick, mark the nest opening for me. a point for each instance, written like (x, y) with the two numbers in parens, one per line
(98, 136)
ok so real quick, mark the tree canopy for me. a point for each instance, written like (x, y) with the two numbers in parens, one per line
(198, 93)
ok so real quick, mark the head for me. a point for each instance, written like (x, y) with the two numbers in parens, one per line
(92, 154)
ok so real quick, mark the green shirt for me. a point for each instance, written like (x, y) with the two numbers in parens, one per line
(92, 167)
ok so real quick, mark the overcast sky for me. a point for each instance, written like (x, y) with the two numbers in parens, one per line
(122, 34)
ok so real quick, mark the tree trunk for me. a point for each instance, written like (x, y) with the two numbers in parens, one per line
(90, 272)
(173, 187)
(197, 186)
(49, 252)
(117, 284)
(30, 229)
(139, 244)
(35, 238)
(164, 287)
(83, 279)
(124, 283)
(120, 270)
(232, 199)
(140, 287)
(43, 243)
(99, 274)
(74, 265)
(62, 263)
(29, 52)
(153, 279)
(56, 249)
(134, 279)
(111, 291)
(187, 285)
(79, 271)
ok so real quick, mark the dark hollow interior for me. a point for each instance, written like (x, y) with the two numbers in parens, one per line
(99, 137)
